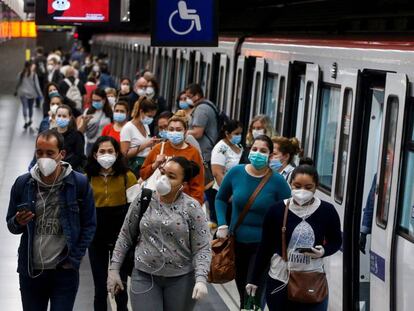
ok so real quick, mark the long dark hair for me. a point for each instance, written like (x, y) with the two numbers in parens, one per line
(229, 127)
(26, 69)
(106, 107)
(306, 170)
(93, 168)
(190, 168)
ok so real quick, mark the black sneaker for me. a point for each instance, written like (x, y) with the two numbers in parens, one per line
(26, 125)
(29, 123)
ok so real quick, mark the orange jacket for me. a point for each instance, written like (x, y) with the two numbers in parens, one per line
(195, 187)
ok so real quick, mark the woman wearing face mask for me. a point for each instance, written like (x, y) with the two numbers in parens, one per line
(172, 256)
(120, 119)
(260, 125)
(126, 93)
(225, 155)
(284, 152)
(136, 141)
(111, 95)
(187, 106)
(50, 90)
(90, 86)
(28, 89)
(239, 184)
(173, 147)
(152, 91)
(95, 118)
(49, 122)
(313, 231)
(74, 143)
(114, 187)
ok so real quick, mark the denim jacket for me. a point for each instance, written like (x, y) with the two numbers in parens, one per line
(77, 217)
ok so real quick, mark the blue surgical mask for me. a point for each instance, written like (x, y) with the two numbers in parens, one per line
(163, 134)
(175, 138)
(97, 104)
(236, 139)
(119, 117)
(62, 123)
(275, 164)
(147, 120)
(258, 160)
(184, 105)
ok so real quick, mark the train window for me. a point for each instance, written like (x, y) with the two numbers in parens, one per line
(343, 145)
(406, 213)
(257, 94)
(306, 116)
(269, 107)
(326, 134)
(387, 161)
(280, 105)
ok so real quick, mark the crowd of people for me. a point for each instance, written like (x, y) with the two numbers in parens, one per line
(102, 144)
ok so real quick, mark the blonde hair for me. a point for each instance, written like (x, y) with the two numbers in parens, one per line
(290, 146)
(110, 90)
(267, 124)
(179, 116)
(145, 104)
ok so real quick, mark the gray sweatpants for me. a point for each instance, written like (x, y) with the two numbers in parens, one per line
(157, 293)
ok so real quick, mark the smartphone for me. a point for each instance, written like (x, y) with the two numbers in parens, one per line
(23, 210)
(304, 250)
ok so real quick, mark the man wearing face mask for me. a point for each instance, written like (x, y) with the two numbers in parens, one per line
(53, 208)
(53, 72)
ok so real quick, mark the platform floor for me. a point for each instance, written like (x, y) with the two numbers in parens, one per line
(16, 151)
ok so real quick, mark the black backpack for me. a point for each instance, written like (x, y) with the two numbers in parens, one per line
(129, 260)
(221, 116)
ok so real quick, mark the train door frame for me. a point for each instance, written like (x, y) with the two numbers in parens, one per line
(383, 230)
(402, 242)
(256, 97)
(215, 70)
(279, 70)
(223, 82)
(367, 80)
(206, 72)
(296, 70)
(197, 66)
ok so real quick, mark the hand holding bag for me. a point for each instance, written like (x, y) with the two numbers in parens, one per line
(303, 286)
(222, 268)
(149, 183)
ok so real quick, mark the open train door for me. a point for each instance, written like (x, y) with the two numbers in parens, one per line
(384, 218)
(307, 108)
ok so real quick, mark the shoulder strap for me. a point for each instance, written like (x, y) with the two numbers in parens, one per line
(68, 81)
(162, 148)
(145, 200)
(284, 253)
(80, 184)
(252, 198)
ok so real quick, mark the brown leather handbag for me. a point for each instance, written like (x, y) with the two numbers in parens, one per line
(303, 286)
(223, 268)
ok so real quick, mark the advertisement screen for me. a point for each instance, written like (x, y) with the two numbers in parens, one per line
(55, 12)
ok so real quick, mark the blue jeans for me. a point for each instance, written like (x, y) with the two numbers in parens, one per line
(27, 107)
(279, 301)
(59, 286)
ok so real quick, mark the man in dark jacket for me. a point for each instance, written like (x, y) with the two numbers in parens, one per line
(53, 208)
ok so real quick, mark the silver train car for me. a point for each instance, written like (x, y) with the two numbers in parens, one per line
(350, 103)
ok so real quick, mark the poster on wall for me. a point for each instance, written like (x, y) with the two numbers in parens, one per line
(77, 12)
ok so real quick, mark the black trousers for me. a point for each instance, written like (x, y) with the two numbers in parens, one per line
(245, 259)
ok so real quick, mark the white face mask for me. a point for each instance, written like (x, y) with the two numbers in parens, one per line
(106, 160)
(257, 133)
(302, 196)
(95, 68)
(46, 166)
(163, 185)
(125, 88)
(50, 68)
(150, 92)
(141, 92)
(53, 109)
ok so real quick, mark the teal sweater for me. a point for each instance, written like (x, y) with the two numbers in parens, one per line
(239, 185)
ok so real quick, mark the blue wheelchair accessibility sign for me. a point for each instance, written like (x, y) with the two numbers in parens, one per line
(184, 23)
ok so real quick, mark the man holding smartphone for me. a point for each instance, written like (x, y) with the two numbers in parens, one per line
(53, 208)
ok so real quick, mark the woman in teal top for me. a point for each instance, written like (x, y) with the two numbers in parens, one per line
(239, 184)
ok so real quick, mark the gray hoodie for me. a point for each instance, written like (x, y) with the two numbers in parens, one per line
(49, 241)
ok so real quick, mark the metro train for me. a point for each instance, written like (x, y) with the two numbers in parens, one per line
(350, 103)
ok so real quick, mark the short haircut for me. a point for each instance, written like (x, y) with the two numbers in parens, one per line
(267, 140)
(48, 134)
(195, 88)
(306, 170)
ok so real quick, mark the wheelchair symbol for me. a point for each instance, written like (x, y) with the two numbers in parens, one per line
(185, 14)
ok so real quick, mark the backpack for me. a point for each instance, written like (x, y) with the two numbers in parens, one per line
(221, 117)
(129, 260)
(74, 93)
